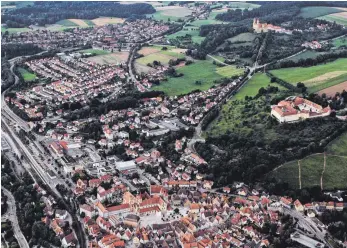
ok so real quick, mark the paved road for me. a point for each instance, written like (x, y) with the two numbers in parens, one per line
(11, 215)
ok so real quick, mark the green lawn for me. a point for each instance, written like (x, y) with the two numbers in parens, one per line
(311, 170)
(67, 23)
(14, 30)
(229, 71)
(94, 51)
(27, 76)
(299, 74)
(170, 15)
(335, 174)
(201, 70)
(313, 12)
(337, 19)
(338, 146)
(199, 23)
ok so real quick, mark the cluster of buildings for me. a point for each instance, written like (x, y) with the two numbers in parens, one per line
(295, 108)
(73, 79)
(265, 27)
(104, 37)
(184, 213)
(59, 220)
(313, 45)
(123, 36)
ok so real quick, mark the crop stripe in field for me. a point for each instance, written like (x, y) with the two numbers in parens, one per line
(321, 178)
(299, 165)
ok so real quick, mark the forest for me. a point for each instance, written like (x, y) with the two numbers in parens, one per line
(248, 156)
(41, 13)
(274, 12)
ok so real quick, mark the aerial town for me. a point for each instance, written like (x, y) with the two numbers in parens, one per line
(174, 124)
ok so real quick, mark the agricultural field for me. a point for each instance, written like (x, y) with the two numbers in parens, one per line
(313, 12)
(334, 176)
(252, 87)
(67, 23)
(193, 73)
(27, 76)
(170, 13)
(243, 5)
(339, 18)
(188, 30)
(156, 53)
(331, 91)
(94, 51)
(109, 58)
(14, 30)
(315, 78)
(107, 20)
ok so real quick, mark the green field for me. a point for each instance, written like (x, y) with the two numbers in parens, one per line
(201, 70)
(252, 87)
(89, 22)
(94, 51)
(193, 31)
(160, 55)
(243, 5)
(14, 30)
(313, 12)
(199, 23)
(335, 174)
(27, 76)
(288, 173)
(170, 14)
(331, 18)
(340, 42)
(315, 77)
(67, 23)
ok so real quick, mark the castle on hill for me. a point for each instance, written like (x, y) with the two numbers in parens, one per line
(264, 27)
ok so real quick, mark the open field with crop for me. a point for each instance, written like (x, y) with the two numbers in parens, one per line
(203, 70)
(67, 23)
(315, 77)
(243, 5)
(107, 20)
(331, 91)
(170, 13)
(15, 30)
(156, 53)
(334, 176)
(313, 12)
(94, 51)
(27, 76)
(192, 31)
(110, 58)
(79, 22)
(339, 18)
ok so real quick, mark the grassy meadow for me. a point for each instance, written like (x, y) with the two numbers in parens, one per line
(202, 70)
(27, 76)
(313, 12)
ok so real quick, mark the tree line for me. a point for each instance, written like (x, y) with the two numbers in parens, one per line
(41, 13)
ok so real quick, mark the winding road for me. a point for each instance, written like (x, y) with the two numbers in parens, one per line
(12, 216)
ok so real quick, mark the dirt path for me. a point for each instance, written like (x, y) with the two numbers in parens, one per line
(321, 178)
(299, 173)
